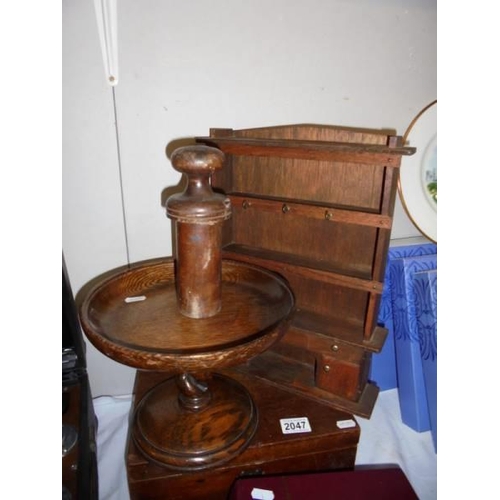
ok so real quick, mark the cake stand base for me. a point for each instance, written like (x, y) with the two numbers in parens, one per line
(171, 433)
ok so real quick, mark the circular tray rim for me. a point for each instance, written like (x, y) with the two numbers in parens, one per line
(184, 359)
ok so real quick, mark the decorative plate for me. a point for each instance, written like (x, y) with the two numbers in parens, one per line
(418, 174)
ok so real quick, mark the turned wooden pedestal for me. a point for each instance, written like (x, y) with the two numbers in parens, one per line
(189, 316)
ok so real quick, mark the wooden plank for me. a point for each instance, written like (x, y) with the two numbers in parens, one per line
(319, 275)
(314, 132)
(316, 332)
(319, 150)
(343, 185)
(371, 314)
(313, 212)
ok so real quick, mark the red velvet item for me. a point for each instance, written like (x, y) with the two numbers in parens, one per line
(373, 483)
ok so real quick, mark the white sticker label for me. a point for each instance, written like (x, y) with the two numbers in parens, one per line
(295, 425)
(137, 298)
(346, 424)
(260, 494)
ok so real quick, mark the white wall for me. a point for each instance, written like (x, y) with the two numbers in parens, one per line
(187, 66)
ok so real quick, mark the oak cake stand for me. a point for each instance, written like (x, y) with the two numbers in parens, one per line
(190, 315)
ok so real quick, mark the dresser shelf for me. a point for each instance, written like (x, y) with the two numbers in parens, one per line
(315, 204)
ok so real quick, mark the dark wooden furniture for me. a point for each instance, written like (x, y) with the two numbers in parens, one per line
(79, 423)
(329, 446)
(315, 204)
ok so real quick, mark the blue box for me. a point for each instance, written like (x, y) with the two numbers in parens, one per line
(425, 288)
(411, 386)
(383, 368)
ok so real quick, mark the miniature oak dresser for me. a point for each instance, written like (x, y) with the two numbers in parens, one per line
(315, 204)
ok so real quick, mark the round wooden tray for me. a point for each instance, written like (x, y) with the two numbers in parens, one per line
(132, 316)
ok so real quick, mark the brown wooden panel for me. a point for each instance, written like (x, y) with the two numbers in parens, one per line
(311, 211)
(320, 343)
(321, 327)
(222, 180)
(343, 377)
(317, 333)
(324, 243)
(371, 314)
(334, 184)
(309, 132)
(338, 305)
(289, 263)
(309, 150)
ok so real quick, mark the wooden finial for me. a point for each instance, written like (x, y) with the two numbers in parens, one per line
(198, 214)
